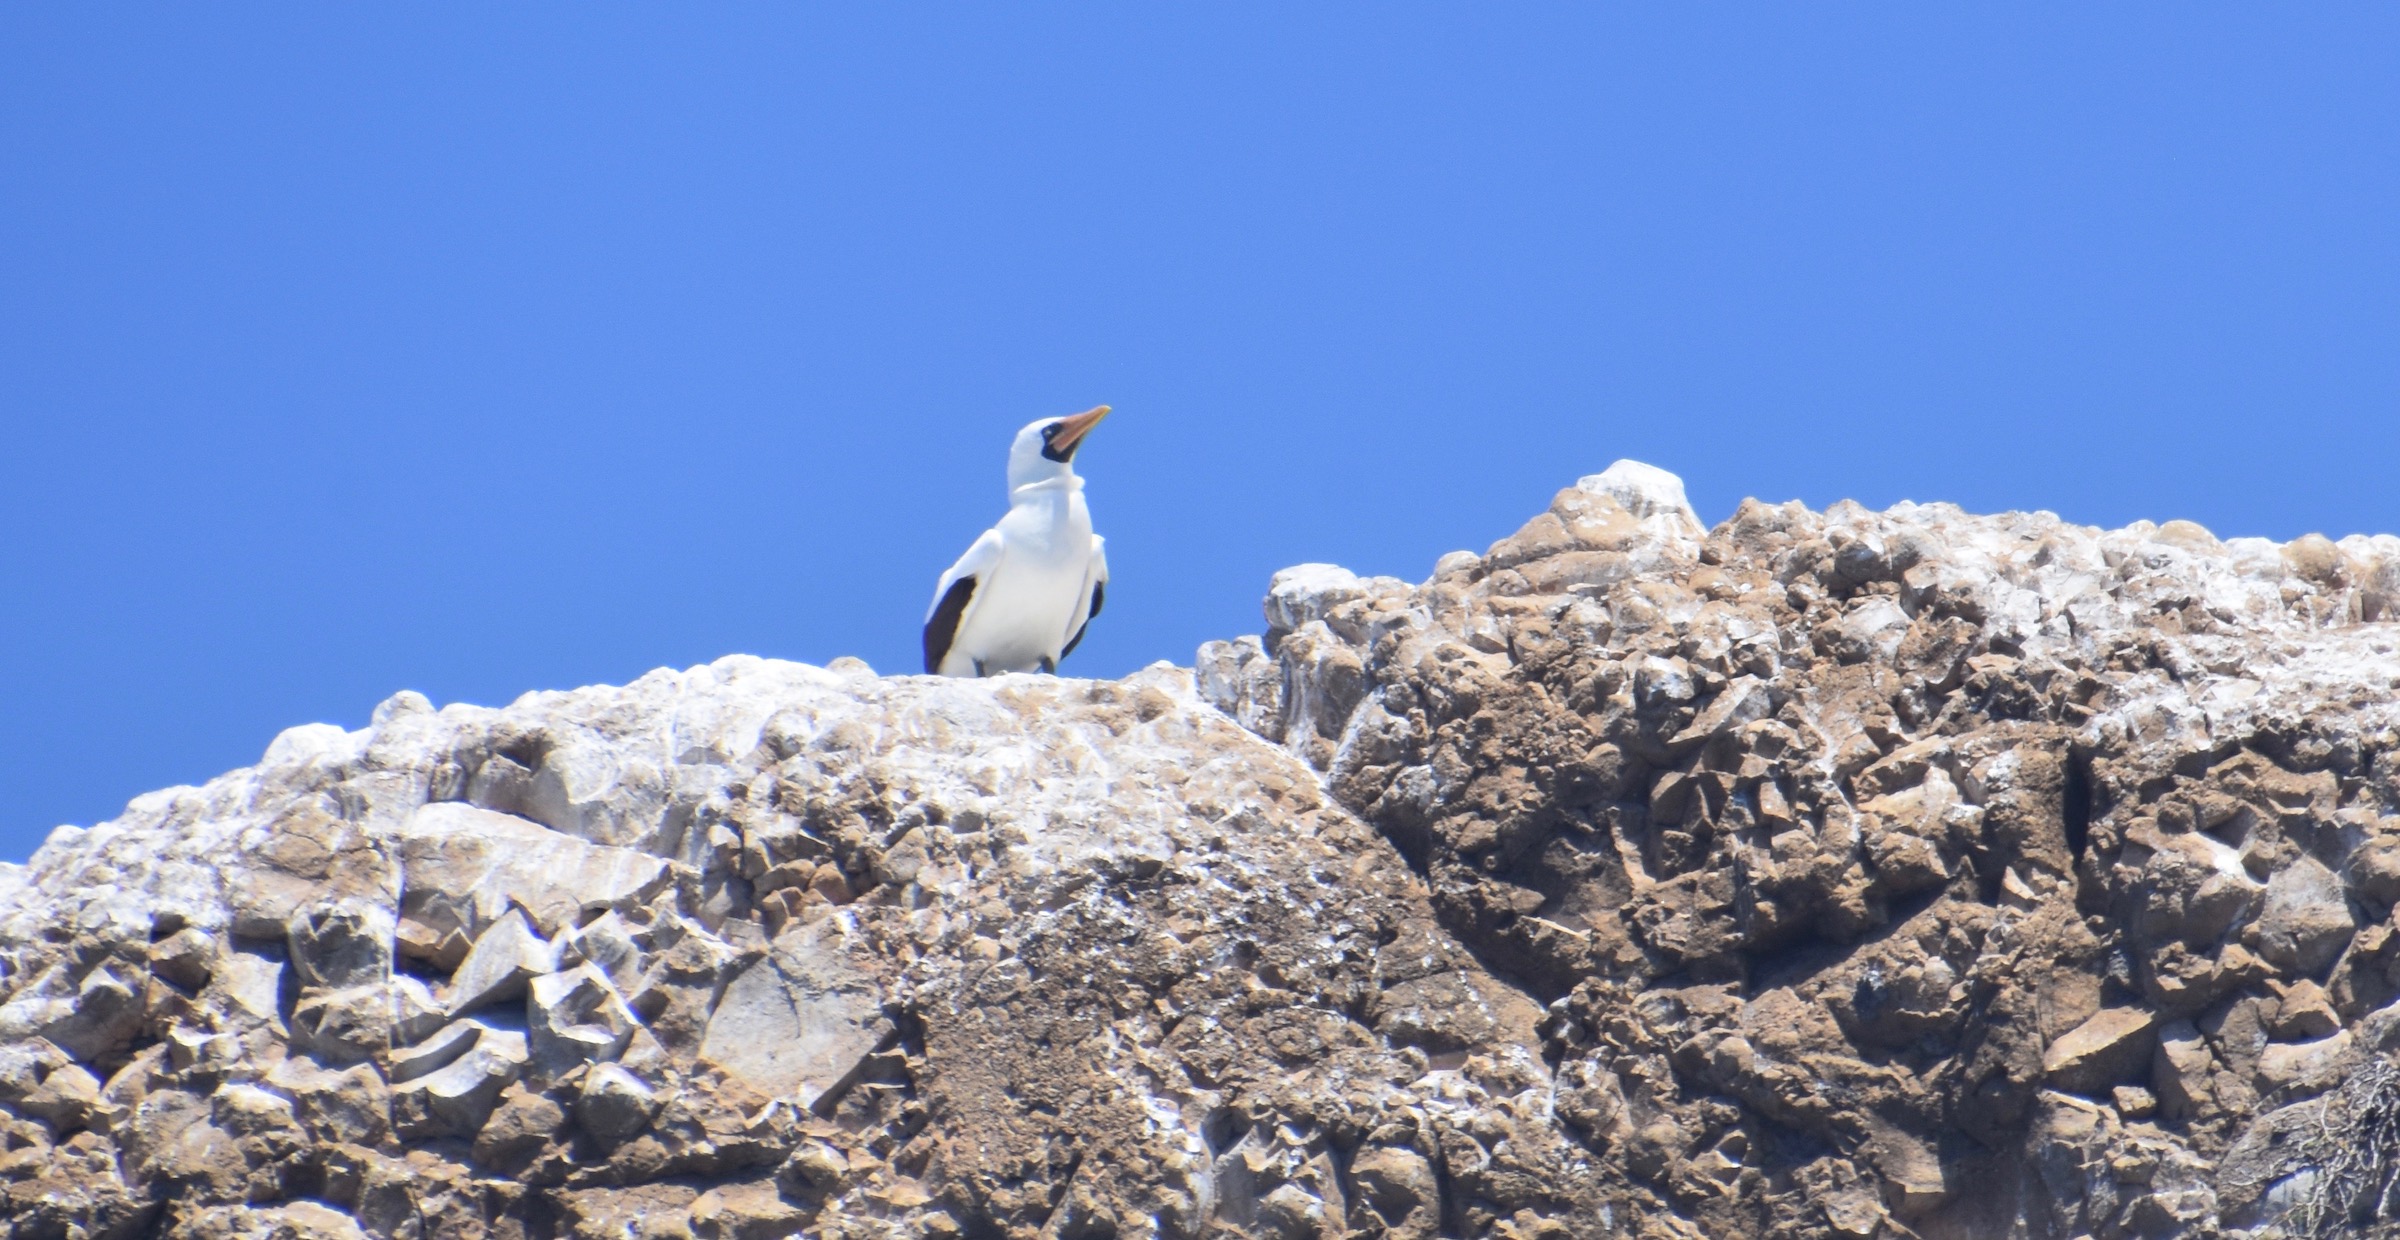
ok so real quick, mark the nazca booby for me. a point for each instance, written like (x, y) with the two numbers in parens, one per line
(1019, 599)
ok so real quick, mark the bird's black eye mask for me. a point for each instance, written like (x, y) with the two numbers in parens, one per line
(1050, 446)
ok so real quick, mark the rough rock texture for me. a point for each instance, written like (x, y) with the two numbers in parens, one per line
(1827, 874)
(1899, 872)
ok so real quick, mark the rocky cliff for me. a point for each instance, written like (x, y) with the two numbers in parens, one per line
(1824, 874)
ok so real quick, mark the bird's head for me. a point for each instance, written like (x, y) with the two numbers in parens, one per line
(1045, 449)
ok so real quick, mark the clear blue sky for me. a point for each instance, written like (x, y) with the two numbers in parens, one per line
(478, 349)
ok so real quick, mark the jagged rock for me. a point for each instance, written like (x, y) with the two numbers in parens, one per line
(186, 958)
(506, 956)
(614, 1103)
(574, 1018)
(2300, 1069)
(462, 867)
(2094, 1056)
(2307, 920)
(519, 1127)
(344, 1026)
(752, 1211)
(436, 1051)
(90, 1017)
(349, 1107)
(416, 1014)
(456, 1099)
(2183, 1072)
(1843, 873)
(607, 942)
(307, 852)
(283, 1222)
(340, 943)
(1400, 1187)
(65, 1098)
(796, 1023)
(247, 989)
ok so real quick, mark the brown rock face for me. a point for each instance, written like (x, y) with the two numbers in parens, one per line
(1903, 874)
(1825, 874)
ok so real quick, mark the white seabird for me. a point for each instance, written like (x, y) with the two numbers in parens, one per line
(1019, 599)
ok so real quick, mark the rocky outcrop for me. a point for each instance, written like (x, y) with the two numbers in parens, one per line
(1903, 872)
(1824, 874)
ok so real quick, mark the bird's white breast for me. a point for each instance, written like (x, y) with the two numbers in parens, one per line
(1022, 609)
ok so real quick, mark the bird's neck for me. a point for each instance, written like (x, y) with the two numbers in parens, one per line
(1053, 489)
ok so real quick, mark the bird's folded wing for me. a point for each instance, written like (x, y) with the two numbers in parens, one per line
(954, 596)
(976, 562)
(1095, 591)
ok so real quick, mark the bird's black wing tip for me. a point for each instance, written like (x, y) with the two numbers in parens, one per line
(1099, 591)
(941, 628)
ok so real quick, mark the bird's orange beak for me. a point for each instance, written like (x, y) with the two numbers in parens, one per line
(1071, 430)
